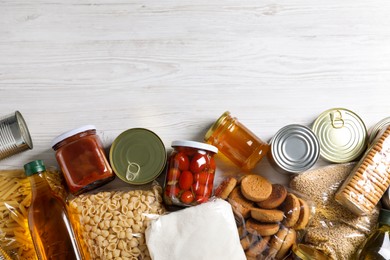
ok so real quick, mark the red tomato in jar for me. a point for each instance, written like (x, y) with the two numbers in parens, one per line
(201, 189)
(186, 179)
(201, 199)
(187, 197)
(172, 190)
(199, 162)
(173, 175)
(213, 166)
(202, 177)
(181, 161)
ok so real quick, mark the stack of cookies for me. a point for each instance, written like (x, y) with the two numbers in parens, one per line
(363, 189)
(267, 215)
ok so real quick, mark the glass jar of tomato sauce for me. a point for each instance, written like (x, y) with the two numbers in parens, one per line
(81, 157)
(190, 173)
(236, 142)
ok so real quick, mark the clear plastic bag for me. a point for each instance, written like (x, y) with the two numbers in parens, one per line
(111, 222)
(267, 228)
(334, 230)
(15, 198)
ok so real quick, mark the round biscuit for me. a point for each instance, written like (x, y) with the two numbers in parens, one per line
(255, 187)
(278, 195)
(267, 215)
(276, 242)
(291, 210)
(225, 188)
(257, 248)
(304, 215)
(262, 229)
(288, 242)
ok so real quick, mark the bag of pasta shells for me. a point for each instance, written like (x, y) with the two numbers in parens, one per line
(111, 223)
(15, 198)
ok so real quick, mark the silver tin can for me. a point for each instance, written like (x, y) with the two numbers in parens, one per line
(294, 149)
(14, 135)
(376, 129)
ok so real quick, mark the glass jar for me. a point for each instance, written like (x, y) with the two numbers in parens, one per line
(306, 252)
(80, 155)
(377, 245)
(190, 173)
(236, 142)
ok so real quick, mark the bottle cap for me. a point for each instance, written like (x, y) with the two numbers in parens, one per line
(33, 167)
(197, 145)
(384, 217)
(72, 132)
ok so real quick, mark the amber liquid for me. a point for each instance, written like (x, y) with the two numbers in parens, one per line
(238, 144)
(49, 224)
(377, 246)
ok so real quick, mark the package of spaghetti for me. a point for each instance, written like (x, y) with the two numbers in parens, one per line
(110, 221)
(15, 198)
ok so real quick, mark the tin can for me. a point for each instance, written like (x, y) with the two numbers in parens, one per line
(294, 149)
(190, 173)
(236, 142)
(375, 130)
(342, 135)
(14, 135)
(138, 156)
(80, 154)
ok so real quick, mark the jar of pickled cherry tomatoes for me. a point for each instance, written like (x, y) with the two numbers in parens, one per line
(190, 173)
(81, 157)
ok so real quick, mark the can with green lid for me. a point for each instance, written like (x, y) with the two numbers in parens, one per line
(138, 156)
(342, 135)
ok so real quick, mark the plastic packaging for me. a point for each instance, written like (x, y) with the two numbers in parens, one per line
(112, 221)
(15, 199)
(48, 220)
(334, 230)
(205, 231)
(270, 218)
(236, 142)
(377, 245)
(81, 156)
(190, 173)
(368, 181)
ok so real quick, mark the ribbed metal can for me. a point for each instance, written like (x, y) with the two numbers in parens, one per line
(14, 135)
(294, 149)
(342, 135)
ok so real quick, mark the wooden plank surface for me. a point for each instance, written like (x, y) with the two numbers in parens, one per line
(175, 66)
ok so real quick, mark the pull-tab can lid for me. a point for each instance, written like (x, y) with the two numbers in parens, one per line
(342, 135)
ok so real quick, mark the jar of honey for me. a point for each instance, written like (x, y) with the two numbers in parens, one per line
(81, 156)
(190, 173)
(236, 142)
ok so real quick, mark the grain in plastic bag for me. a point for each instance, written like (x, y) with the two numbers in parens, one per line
(334, 230)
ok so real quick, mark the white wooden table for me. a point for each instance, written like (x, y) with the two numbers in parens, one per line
(175, 66)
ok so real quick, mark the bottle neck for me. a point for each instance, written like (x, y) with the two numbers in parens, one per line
(39, 185)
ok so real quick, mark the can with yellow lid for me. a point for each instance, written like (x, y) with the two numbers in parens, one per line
(342, 135)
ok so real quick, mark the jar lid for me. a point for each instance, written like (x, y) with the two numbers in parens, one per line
(194, 144)
(72, 132)
(295, 148)
(376, 129)
(342, 135)
(216, 125)
(138, 156)
(306, 252)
